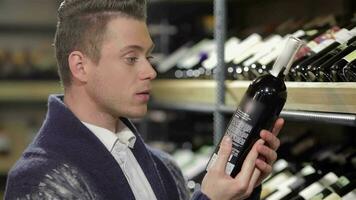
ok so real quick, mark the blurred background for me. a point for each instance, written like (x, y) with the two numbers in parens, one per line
(28, 75)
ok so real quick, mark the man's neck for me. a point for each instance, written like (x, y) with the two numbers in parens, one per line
(88, 111)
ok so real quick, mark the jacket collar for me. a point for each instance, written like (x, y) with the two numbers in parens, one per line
(63, 134)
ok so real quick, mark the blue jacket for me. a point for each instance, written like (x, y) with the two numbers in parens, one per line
(66, 161)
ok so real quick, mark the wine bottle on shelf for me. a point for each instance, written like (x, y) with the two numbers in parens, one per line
(319, 165)
(320, 65)
(259, 108)
(316, 187)
(311, 48)
(232, 45)
(166, 65)
(313, 32)
(235, 71)
(306, 176)
(232, 51)
(341, 187)
(333, 161)
(279, 177)
(193, 58)
(244, 51)
(268, 45)
(261, 63)
(324, 70)
(341, 36)
(336, 70)
(349, 71)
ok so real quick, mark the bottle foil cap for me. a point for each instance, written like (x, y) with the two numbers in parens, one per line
(285, 59)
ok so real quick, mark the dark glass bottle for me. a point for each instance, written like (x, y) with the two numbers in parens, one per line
(324, 71)
(259, 108)
(336, 70)
(320, 65)
(349, 71)
(306, 55)
(342, 186)
(341, 36)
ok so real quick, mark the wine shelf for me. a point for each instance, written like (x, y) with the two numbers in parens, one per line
(302, 96)
(327, 102)
(28, 91)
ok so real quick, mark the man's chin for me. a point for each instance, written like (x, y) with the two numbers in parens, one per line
(137, 115)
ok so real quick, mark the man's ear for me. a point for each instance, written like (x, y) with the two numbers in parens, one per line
(78, 66)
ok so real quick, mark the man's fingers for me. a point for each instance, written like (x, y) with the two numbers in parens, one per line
(269, 154)
(271, 139)
(263, 166)
(255, 177)
(249, 165)
(223, 154)
(278, 126)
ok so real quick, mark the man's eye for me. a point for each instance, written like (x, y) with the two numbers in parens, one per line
(131, 60)
(150, 59)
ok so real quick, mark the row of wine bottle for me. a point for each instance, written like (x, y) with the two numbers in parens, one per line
(308, 169)
(328, 172)
(329, 55)
(28, 63)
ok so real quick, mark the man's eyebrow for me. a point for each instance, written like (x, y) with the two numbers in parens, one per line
(138, 47)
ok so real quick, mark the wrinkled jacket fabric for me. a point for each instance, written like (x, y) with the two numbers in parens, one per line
(67, 161)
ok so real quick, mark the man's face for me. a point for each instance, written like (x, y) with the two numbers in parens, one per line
(120, 83)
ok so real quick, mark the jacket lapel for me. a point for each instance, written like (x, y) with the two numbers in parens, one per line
(147, 164)
(66, 135)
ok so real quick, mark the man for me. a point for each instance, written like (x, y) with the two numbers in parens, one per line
(87, 148)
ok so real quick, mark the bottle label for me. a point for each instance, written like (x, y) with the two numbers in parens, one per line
(240, 130)
(341, 182)
(350, 57)
(311, 190)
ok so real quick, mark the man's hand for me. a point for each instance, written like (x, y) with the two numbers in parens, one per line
(267, 150)
(217, 185)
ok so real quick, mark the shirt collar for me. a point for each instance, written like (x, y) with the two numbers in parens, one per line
(108, 138)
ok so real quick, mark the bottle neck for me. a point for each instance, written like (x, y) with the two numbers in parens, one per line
(282, 73)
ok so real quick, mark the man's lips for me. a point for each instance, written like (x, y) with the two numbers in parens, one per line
(144, 92)
(143, 95)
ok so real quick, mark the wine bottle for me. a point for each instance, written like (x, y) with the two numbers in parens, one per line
(232, 49)
(272, 183)
(311, 48)
(235, 71)
(193, 58)
(231, 45)
(320, 65)
(341, 36)
(341, 187)
(336, 72)
(296, 183)
(169, 63)
(323, 71)
(316, 187)
(267, 47)
(252, 45)
(259, 108)
(349, 71)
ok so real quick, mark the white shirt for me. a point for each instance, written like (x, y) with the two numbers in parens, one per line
(119, 145)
